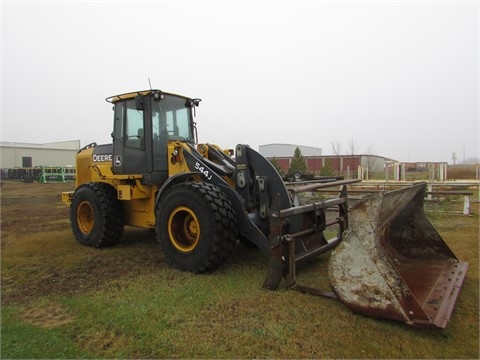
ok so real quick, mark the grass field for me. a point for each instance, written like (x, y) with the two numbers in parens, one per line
(63, 300)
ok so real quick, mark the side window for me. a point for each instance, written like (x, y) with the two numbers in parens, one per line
(118, 120)
(134, 127)
(177, 124)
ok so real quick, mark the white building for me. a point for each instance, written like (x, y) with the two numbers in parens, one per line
(287, 150)
(26, 155)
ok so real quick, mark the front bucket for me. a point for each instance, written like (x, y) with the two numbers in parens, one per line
(393, 264)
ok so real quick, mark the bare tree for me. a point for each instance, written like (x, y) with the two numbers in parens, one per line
(370, 161)
(473, 160)
(370, 150)
(352, 147)
(336, 148)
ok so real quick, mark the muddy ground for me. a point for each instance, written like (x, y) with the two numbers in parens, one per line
(40, 256)
(47, 278)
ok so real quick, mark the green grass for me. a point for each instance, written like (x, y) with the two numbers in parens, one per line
(21, 340)
(214, 316)
(63, 300)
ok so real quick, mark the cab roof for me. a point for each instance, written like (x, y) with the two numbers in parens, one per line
(132, 95)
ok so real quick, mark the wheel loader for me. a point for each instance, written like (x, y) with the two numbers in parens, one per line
(387, 260)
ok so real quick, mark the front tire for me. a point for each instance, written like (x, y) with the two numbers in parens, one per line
(196, 226)
(96, 215)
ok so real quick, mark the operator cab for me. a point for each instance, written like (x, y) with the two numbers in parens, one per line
(144, 123)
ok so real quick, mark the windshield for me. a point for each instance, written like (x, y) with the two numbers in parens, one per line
(172, 116)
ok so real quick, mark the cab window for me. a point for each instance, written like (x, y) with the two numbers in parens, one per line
(134, 126)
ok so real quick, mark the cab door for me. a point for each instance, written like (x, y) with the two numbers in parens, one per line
(129, 138)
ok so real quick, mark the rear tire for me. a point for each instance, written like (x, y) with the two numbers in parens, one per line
(196, 226)
(96, 215)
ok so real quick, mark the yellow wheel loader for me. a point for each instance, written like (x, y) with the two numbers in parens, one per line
(387, 260)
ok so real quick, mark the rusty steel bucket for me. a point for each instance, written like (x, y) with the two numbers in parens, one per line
(393, 264)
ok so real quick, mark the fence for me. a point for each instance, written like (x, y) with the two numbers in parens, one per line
(42, 174)
(457, 191)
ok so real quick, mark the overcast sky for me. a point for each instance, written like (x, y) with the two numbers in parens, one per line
(399, 79)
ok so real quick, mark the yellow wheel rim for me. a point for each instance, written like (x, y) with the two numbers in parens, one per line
(85, 219)
(183, 229)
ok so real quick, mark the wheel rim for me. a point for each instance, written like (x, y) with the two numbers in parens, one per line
(183, 229)
(85, 219)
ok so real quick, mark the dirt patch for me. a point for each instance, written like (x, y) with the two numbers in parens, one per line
(46, 316)
(106, 341)
(25, 210)
(40, 256)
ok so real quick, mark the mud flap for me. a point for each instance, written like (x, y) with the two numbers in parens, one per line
(393, 264)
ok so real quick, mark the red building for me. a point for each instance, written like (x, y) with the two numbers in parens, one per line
(342, 165)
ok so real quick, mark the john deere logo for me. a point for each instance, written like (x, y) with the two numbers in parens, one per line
(102, 158)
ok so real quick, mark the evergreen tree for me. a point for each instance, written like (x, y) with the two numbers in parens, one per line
(298, 163)
(327, 168)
